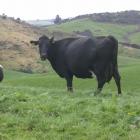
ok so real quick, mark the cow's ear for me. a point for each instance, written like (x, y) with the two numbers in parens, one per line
(34, 42)
(52, 40)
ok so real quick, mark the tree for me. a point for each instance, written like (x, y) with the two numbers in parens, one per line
(4, 16)
(18, 20)
(57, 19)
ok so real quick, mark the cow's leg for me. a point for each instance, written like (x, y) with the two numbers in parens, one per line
(69, 83)
(101, 82)
(1, 73)
(100, 85)
(117, 78)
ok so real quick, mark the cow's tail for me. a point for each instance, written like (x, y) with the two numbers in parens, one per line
(114, 62)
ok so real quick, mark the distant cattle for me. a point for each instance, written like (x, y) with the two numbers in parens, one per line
(82, 57)
(1, 73)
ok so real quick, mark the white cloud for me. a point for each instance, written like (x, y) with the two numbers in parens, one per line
(47, 9)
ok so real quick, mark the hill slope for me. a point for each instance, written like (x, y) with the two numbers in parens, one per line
(15, 49)
(16, 53)
(124, 17)
(122, 32)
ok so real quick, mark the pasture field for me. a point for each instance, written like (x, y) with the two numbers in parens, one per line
(123, 32)
(135, 38)
(37, 107)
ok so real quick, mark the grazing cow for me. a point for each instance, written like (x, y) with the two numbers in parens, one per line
(1, 73)
(82, 57)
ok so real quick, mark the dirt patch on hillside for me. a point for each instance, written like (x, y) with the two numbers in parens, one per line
(15, 50)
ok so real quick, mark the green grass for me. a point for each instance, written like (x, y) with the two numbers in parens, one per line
(38, 107)
(97, 28)
(129, 52)
(135, 38)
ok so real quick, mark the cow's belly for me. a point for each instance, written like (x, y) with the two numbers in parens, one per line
(78, 75)
(85, 74)
(81, 69)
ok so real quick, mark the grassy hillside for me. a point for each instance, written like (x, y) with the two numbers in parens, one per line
(15, 50)
(37, 106)
(135, 38)
(130, 52)
(16, 53)
(120, 31)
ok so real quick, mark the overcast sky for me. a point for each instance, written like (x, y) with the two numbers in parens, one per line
(48, 9)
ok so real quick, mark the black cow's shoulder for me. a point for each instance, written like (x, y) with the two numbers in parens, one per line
(65, 41)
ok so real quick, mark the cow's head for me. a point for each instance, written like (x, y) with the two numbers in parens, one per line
(44, 43)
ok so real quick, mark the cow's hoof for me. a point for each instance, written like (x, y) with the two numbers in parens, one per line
(119, 94)
(97, 92)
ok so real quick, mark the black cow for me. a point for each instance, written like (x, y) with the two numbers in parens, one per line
(1, 73)
(82, 57)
